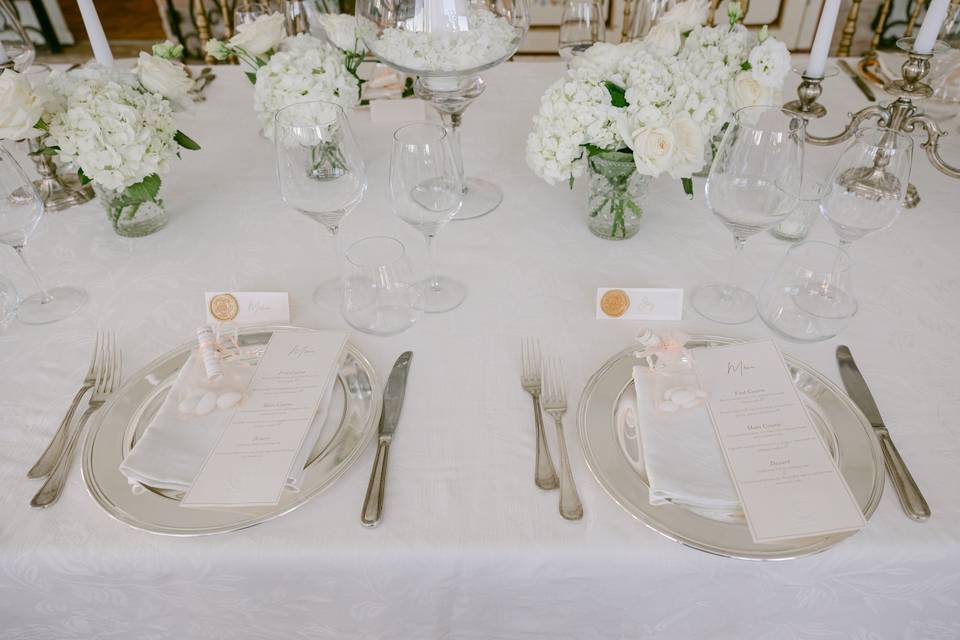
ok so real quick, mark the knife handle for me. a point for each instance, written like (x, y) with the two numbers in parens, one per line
(373, 501)
(911, 499)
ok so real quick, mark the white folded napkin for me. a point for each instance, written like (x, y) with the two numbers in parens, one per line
(173, 447)
(681, 456)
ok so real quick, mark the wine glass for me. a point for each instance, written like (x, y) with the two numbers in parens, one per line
(320, 170)
(581, 26)
(751, 187)
(380, 294)
(447, 45)
(426, 193)
(19, 217)
(249, 11)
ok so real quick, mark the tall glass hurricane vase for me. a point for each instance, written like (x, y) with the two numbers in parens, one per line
(447, 44)
(321, 172)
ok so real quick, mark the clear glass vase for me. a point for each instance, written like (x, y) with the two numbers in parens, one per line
(133, 220)
(616, 190)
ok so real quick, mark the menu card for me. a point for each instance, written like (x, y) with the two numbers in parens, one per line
(250, 463)
(787, 481)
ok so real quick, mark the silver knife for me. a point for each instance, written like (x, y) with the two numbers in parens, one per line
(911, 499)
(389, 417)
(857, 80)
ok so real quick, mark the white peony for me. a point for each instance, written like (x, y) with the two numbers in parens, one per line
(686, 15)
(653, 149)
(340, 30)
(161, 76)
(20, 108)
(261, 35)
(770, 63)
(665, 38)
(746, 91)
(689, 144)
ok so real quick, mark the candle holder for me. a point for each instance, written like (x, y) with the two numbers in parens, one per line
(902, 114)
(808, 92)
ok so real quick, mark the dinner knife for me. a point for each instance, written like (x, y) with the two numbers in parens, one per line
(389, 416)
(857, 80)
(911, 499)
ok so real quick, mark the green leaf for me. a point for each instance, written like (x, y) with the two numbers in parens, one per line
(185, 141)
(46, 151)
(618, 96)
(687, 186)
(251, 76)
(571, 182)
(83, 177)
(144, 191)
(745, 65)
(41, 125)
(407, 88)
(592, 149)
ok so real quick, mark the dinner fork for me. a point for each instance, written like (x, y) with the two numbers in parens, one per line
(545, 474)
(51, 454)
(109, 373)
(555, 403)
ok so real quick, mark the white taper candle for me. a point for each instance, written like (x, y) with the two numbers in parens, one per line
(932, 21)
(98, 39)
(821, 42)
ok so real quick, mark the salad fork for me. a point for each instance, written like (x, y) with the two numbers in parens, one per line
(109, 374)
(545, 474)
(555, 403)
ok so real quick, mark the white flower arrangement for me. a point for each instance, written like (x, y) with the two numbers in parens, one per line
(21, 110)
(661, 99)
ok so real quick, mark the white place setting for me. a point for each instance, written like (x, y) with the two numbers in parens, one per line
(512, 385)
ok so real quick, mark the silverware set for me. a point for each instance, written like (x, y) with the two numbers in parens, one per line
(103, 376)
(543, 380)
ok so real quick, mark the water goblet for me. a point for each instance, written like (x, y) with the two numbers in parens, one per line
(381, 296)
(320, 170)
(798, 222)
(426, 191)
(751, 188)
(581, 26)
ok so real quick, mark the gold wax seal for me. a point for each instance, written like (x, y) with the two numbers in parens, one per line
(224, 307)
(615, 303)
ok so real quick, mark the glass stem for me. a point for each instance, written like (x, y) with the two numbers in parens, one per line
(452, 123)
(732, 280)
(44, 296)
(433, 278)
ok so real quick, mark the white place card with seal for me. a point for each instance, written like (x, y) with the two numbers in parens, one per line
(787, 481)
(248, 307)
(640, 304)
(252, 460)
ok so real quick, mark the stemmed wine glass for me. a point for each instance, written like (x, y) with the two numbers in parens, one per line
(426, 193)
(20, 211)
(320, 170)
(751, 187)
(581, 26)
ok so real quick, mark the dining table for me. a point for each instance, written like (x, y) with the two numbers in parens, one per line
(469, 547)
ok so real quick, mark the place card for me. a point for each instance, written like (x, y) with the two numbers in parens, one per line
(248, 307)
(250, 463)
(786, 479)
(640, 304)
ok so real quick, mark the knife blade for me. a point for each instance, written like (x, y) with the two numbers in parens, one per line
(389, 417)
(857, 80)
(911, 499)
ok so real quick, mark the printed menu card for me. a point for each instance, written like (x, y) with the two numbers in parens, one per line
(787, 481)
(250, 463)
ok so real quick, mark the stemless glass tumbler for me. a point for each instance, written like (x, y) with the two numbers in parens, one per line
(381, 295)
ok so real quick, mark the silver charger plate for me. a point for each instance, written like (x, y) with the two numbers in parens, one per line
(348, 428)
(847, 433)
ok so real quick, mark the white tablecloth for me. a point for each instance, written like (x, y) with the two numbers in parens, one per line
(469, 548)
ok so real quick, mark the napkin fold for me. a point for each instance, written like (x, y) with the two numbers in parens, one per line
(173, 447)
(681, 455)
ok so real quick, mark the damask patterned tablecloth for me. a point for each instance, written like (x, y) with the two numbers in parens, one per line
(469, 548)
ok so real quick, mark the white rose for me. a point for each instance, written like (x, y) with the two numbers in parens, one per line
(20, 108)
(340, 30)
(163, 77)
(689, 146)
(261, 35)
(653, 149)
(770, 62)
(746, 91)
(665, 39)
(686, 15)
(603, 56)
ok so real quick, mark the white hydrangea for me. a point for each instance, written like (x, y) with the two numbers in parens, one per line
(305, 68)
(770, 63)
(116, 133)
(488, 39)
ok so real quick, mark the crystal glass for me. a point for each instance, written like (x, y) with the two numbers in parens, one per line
(15, 43)
(320, 170)
(381, 295)
(798, 222)
(751, 188)
(19, 218)
(248, 11)
(810, 295)
(9, 301)
(447, 44)
(426, 193)
(645, 15)
(581, 26)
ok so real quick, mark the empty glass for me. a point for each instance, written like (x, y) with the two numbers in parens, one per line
(426, 191)
(581, 26)
(381, 295)
(806, 210)
(321, 171)
(20, 211)
(810, 295)
(750, 188)
(248, 11)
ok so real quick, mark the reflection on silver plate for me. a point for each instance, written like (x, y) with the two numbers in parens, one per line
(347, 430)
(848, 435)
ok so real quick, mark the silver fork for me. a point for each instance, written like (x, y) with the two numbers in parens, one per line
(51, 454)
(545, 474)
(555, 403)
(109, 374)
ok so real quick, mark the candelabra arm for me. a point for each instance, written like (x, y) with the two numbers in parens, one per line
(872, 111)
(931, 145)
